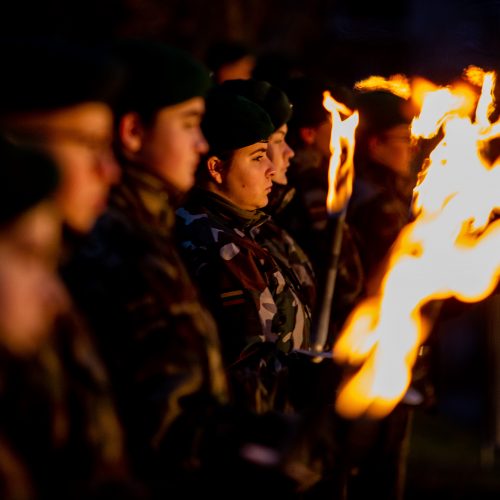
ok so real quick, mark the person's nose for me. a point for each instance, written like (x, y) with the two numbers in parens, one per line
(108, 167)
(54, 293)
(271, 169)
(201, 143)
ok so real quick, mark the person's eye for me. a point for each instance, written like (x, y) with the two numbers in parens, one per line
(258, 158)
(191, 123)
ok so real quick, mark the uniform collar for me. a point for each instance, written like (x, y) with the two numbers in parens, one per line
(223, 208)
(146, 197)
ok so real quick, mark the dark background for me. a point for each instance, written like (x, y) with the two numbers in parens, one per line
(343, 39)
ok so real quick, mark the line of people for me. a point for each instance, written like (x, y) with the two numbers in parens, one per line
(161, 349)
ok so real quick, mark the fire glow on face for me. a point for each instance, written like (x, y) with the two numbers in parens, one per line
(450, 249)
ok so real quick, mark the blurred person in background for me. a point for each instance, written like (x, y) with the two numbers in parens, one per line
(305, 217)
(69, 418)
(375, 450)
(229, 60)
(31, 298)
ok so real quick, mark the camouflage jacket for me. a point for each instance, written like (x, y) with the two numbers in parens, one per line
(285, 249)
(294, 264)
(58, 415)
(306, 220)
(258, 311)
(378, 210)
(280, 197)
(160, 343)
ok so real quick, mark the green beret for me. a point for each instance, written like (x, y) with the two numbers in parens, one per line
(48, 74)
(380, 110)
(157, 75)
(233, 122)
(26, 178)
(273, 100)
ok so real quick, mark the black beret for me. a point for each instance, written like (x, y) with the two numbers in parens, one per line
(233, 122)
(273, 100)
(380, 110)
(49, 74)
(26, 178)
(157, 75)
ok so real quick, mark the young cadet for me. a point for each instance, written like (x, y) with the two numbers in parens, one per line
(306, 217)
(31, 298)
(160, 343)
(261, 318)
(294, 264)
(240, 281)
(69, 420)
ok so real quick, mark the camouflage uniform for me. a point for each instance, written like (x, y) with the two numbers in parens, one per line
(376, 450)
(161, 345)
(378, 210)
(306, 219)
(292, 260)
(260, 315)
(60, 420)
(293, 263)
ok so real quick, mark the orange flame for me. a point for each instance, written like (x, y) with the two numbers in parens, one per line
(341, 169)
(451, 249)
(396, 84)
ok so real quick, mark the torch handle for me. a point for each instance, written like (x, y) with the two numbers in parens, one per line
(321, 322)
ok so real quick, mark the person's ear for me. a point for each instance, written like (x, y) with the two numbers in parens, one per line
(131, 132)
(215, 168)
(308, 135)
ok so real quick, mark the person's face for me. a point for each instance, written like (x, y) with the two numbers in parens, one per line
(279, 153)
(172, 146)
(79, 140)
(394, 149)
(31, 293)
(247, 180)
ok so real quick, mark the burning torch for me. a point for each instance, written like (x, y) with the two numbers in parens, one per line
(451, 249)
(340, 181)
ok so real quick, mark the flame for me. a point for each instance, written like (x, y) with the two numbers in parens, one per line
(474, 75)
(451, 249)
(396, 84)
(341, 169)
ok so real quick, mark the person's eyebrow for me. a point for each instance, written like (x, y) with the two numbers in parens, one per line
(281, 132)
(259, 150)
(191, 112)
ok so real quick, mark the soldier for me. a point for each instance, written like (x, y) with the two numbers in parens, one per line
(160, 343)
(306, 217)
(31, 298)
(380, 203)
(67, 113)
(293, 262)
(379, 208)
(261, 316)
(241, 282)
(67, 418)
